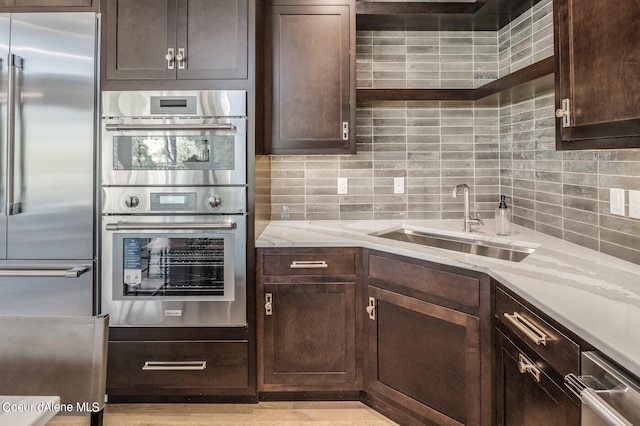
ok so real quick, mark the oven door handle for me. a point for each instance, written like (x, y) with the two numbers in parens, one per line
(132, 226)
(118, 127)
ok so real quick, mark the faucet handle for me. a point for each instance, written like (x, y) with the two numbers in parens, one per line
(475, 221)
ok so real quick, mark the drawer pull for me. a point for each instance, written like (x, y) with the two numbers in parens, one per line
(309, 264)
(175, 365)
(526, 366)
(527, 327)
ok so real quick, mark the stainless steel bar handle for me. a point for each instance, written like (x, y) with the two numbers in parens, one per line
(113, 127)
(128, 226)
(308, 264)
(594, 401)
(527, 327)
(175, 365)
(15, 63)
(48, 272)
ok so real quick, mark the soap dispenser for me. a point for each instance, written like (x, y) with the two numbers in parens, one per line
(503, 217)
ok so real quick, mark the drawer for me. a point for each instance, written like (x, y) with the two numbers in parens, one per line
(177, 365)
(528, 384)
(554, 347)
(306, 262)
(447, 286)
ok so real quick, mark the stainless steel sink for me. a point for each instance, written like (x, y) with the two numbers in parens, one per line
(471, 245)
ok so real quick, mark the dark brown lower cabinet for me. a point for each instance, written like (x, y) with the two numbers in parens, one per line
(310, 336)
(426, 359)
(526, 395)
(179, 365)
(308, 330)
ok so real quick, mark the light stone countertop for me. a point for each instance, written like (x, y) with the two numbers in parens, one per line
(594, 295)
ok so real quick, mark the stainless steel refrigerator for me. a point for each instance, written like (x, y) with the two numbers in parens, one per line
(47, 179)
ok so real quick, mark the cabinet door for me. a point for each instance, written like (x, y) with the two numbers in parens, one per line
(138, 36)
(311, 80)
(424, 357)
(524, 400)
(213, 34)
(309, 335)
(597, 59)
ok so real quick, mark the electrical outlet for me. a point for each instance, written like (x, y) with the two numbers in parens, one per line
(398, 185)
(634, 204)
(343, 186)
(616, 201)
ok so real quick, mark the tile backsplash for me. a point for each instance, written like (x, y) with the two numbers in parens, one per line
(434, 145)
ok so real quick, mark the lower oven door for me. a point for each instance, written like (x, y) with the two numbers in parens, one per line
(174, 270)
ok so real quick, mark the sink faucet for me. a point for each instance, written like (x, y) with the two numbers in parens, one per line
(468, 220)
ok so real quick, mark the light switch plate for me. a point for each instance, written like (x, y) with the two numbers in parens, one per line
(343, 186)
(616, 201)
(634, 204)
(398, 185)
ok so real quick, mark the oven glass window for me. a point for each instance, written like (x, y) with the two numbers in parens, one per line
(213, 152)
(164, 266)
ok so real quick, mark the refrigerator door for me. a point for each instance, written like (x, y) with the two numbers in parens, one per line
(50, 183)
(49, 289)
(5, 26)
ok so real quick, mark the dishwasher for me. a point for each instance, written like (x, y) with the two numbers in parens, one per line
(609, 395)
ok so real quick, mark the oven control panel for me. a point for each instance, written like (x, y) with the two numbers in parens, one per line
(173, 201)
(162, 201)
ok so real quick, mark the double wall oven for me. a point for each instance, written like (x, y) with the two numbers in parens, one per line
(173, 228)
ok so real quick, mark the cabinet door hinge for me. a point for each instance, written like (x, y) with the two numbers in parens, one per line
(371, 308)
(565, 113)
(268, 304)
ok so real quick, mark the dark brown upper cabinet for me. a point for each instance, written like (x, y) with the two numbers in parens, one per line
(176, 39)
(311, 79)
(598, 78)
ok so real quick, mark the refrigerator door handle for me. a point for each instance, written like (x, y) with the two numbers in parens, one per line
(64, 271)
(13, 207)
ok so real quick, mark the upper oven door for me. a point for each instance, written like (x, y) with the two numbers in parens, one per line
(174, 152)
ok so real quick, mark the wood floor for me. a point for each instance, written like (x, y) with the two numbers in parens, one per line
(347, 413)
